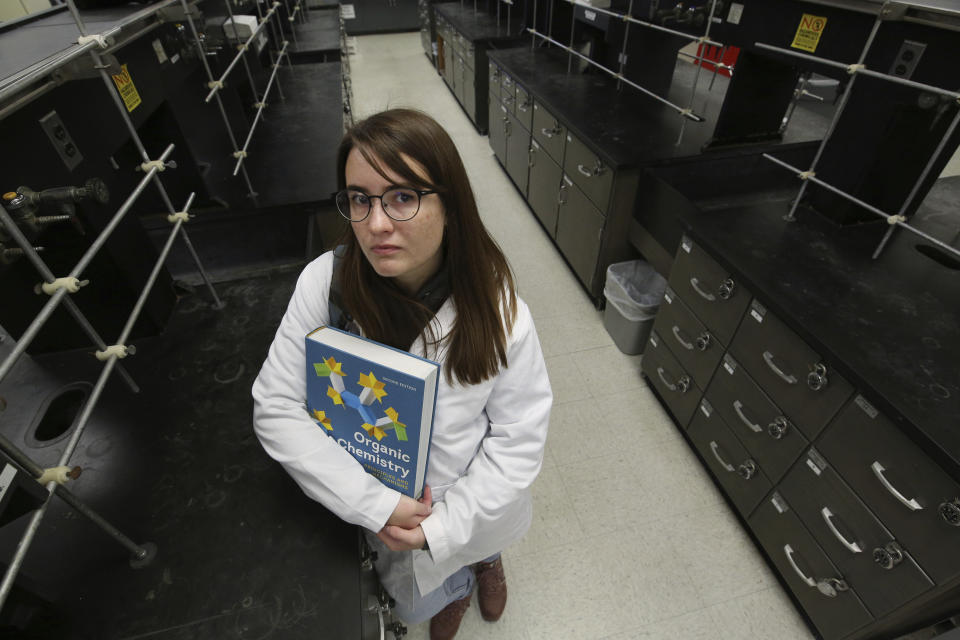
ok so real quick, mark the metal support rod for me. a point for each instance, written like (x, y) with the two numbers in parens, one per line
(133, 36)
(243, 50)
(223, 111)
(256, 119)
(31, 332)
(573, 23)
(855, 70)
(718, 65)
(923, 176)
(533, 39)
(26, 98)
(650, 25)
(217, 84)
(679, 109)
(290, 19)
(833, 123)
(696, 75)
(71, 306)
(893, 220)
(797, 93)
(623, 50)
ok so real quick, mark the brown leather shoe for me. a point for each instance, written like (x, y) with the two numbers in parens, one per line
(491, 589)
(444, 625)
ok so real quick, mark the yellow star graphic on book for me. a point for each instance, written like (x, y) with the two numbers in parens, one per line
(335, 396)
(375, 386)
(399, 427)
(321, 417)
(376, 432)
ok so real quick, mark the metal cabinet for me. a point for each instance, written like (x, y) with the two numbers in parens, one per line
(680, 394)
(579, 230)
(544, 186)
(518, 153)
(499, 121)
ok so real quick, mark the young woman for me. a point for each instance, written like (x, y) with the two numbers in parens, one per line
(419, 272)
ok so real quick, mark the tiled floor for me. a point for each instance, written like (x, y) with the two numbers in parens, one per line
(630, 538)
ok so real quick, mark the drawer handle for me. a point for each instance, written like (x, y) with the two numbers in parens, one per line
(709, 297)
(583, 171)
(788, 550)
(715, 448)
(738, 407)
(910, 503)
(682, 385)
(828, 517)
(550, 132)
(768, 358)
(683, 343)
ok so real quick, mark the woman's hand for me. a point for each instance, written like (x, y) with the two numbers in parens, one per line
(400, 539)
(409, 513)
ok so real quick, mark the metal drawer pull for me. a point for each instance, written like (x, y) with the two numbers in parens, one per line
(716, 454)
(709, 297)
(768, 358)
(950, 512)
(584, 171)
(810, 582)
(682, 385)
(828, 516)
(738, 407)
(550, 132)
(911, 503)
(683, 343)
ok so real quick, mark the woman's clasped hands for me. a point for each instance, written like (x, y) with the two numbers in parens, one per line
(403, 531)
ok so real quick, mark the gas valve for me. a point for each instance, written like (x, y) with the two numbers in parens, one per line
(950, 512)
(726, 288)
(779, 427)
(889, 555)
(817, 379)
(25, 204)
(747, 469)
(830, 587)
(704, 340)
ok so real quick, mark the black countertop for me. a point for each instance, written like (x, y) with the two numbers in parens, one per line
(477, 25)
(891, 325)
(625, 127)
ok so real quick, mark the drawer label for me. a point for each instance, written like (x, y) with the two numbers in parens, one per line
(779, 503)
(866, 406)
(729, 364)
(736, 12)
(653, 340)
(816, 461)
(668, 296)
(569, 139)
(590, 15)
(757, 311)
(685, 244)
(706, 407)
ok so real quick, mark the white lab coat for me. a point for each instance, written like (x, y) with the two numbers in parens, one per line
(486, 449)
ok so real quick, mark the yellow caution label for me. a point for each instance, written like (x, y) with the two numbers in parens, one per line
(809, 32)
(128, 91)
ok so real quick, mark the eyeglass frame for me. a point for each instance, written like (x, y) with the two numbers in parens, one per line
(420, 193)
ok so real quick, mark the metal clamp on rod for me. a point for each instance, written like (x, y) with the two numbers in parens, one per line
(70, 284)
(216, 85)
(100, 39)
(242, 154)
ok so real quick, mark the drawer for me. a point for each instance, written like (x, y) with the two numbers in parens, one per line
(763, 429)
(524, 108)
(794, 376)
(741, 477)
(913, 497)
(875, 565)
(548, 131)
(493, 81)
(508, 91)
(689, 340)
(833, 607)
(675, 385)
(709, 290)
(588, 172)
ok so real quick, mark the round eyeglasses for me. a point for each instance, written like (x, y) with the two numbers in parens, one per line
(400, 203)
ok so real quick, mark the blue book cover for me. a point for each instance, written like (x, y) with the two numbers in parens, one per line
(377, 402)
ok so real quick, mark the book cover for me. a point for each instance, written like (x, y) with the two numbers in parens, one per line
(377, 402)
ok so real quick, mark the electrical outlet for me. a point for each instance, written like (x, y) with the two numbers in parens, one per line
(907, 58)
(61, 140)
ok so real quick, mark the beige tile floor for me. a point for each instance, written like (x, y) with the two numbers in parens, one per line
(630, 538)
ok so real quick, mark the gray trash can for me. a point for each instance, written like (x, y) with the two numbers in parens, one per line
(633, 291)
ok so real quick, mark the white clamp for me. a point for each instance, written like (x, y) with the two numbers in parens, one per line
(291, 19)
(215, 84)
(686, 113)
(259, 105)
(119, 350)
(892, 220)
(99, 39)
(152, 164)
(240, 47)
(239, 154)
(806, 175)
(853, 68)
(72, 285)
(181, 216)
(60, 475)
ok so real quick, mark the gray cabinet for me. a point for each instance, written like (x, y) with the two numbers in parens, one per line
(499, 121)
(518, 153)
(544, 186)
(579, 230)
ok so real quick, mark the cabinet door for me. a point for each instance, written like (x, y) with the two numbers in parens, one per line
(832, 605)
(674, 385)
(544, 187)
(493, 83)
(911, 494)
(524, 108)
(498, 131)
(579, 231)
(764, 430)
(469, 91)
(590, 174)
(448, 60)
(518, 154)
(877, 566)
(548, 131)
(738, 473)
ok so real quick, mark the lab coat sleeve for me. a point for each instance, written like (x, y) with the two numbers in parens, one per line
(322, 468)
(478, 514)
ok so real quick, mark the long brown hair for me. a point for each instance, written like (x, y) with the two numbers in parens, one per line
(481, 283)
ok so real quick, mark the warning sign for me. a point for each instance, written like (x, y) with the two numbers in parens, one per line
(809, 32)
(127, 89)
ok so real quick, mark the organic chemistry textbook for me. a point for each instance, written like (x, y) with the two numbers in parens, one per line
(377, 402)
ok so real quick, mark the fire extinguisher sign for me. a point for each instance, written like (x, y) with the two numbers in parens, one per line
(809, 32)
(126, 88)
